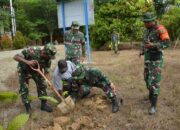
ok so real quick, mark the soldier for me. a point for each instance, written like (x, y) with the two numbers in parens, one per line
(75, 42)
(114, 41)
(29, 57)
(156, 39)
(86, 78)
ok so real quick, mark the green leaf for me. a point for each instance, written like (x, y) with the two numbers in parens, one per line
(8, 96)
(1, 127)
(18, 122)
(51, 99)
(31, 98)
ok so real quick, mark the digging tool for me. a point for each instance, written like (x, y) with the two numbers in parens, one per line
(67, 104)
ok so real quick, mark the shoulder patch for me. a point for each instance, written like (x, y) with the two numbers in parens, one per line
(163, 33)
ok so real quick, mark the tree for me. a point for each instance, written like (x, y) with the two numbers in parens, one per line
(123, 15)
(48, 15)
(35, 20)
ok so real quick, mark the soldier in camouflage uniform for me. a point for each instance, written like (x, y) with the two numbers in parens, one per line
(86, 78)
(156, 39)
(75, 42)
(114, 41)
(29, 57)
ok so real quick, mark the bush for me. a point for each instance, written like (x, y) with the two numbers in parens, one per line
(19, 41)
(171, 20)
(6, 42)
(122, 15)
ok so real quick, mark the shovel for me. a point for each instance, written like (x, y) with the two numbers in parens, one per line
(67, 104)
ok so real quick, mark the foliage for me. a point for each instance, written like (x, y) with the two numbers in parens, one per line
(51, 99)
(4, 17)
(124, 16)
(8, 95)
(1, 128)
(34, 20)
(19, 41)
(171, 20)
(18, 122)
(6, 42)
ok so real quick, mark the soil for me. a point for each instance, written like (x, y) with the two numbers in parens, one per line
(94, 112)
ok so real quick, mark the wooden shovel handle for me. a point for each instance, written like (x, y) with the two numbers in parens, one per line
(47, 81)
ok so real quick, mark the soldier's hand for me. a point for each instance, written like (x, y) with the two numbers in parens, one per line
(32, 63)
(149, 45)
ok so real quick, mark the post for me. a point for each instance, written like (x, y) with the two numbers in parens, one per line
(87, 30)
(12, 19)
(63, 16)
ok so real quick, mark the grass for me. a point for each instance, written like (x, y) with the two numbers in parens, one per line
(126, 71)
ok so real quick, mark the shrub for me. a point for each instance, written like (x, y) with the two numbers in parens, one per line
(19, 41)
(6, 42)
(171, 20)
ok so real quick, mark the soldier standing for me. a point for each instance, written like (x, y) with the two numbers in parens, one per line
(75, 42)
(86, 78)
(156, 39)
(114, 41)
(29, 57)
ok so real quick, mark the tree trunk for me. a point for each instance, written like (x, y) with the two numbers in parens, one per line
(51, 36)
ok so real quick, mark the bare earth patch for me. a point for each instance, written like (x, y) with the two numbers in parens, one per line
(94, 112)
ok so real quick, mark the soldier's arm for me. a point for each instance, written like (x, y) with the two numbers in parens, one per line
(57, 79)
(65, 38)
(21, 58)
(164, 38)
(83, 45)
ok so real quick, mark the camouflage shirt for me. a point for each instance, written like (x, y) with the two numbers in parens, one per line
(74, 42)
(157, 35)
(33, 53)
(95, 77)
(115, 38)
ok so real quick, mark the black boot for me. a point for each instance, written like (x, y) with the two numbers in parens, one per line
(115, 104)
(28, 108)
(153, 101)
(45, 106)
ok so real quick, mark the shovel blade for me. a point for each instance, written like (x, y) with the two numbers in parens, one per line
(67, 105)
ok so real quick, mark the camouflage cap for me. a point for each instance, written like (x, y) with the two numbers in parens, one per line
(79, 73)
(50, 49)
(62, 65)
(75, 25)
(148, 17)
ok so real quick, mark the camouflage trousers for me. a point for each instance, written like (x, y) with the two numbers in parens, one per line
(152, 76)
(115, 47)
(24, 81)
(85, 89)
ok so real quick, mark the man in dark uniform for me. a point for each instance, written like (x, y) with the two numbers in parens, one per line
(156, 38)
(29, 57)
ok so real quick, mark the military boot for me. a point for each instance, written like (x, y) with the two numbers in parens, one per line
(74, 95)
(45, 106)
(152, 109)
(28, 108)
(115, 104)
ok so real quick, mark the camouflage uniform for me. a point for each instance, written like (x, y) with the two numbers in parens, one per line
(94, 78)
(114, 41)
(74, 41)
(86, 78)
(25, 72)
(153, 57)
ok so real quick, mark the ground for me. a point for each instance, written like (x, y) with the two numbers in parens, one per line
(94, 112)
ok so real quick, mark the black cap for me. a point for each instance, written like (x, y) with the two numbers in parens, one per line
(62, 65)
